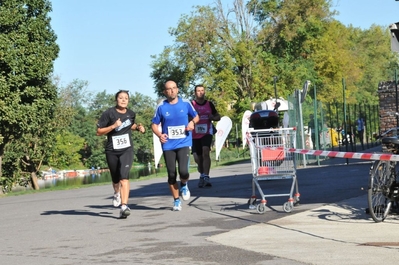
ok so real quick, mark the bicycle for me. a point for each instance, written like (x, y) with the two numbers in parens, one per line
(383, 190)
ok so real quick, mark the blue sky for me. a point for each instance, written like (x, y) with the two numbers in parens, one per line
(109, 43)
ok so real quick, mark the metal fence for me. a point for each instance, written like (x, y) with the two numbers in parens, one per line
(332, 126)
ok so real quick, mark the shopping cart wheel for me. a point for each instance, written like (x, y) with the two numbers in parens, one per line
(288, 206)
(261, 208)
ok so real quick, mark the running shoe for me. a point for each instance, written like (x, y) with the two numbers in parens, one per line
(185, 193)
(116, 200)
(176, 205)
(125, 212)
(201, 182)
(207, 182)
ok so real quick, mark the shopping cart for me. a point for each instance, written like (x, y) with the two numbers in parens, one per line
(271, 160)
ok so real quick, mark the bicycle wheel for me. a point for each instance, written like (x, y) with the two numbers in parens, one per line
(377, 195)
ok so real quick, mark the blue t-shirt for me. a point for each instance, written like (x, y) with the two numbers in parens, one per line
(360, 124)
(174, 120)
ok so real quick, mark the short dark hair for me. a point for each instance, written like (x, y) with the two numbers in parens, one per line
(195, 88)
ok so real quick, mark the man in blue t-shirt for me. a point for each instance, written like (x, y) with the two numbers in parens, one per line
(173, 114)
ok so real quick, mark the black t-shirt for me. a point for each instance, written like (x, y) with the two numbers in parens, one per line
(120, 138)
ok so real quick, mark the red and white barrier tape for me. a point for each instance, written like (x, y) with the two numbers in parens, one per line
(364, 156)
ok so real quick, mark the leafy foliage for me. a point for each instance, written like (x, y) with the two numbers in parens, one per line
(237, 53)
(84, 120)
(66, 153)
(212, 50)
(27, 97)
(144, 107)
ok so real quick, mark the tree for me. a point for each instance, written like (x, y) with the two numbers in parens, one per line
(66, 153)
(27, 52)
(375, 59)
(96, 107)
(144, 108)
(290, 30)
(219, 49)
(100, 103)
(311, 45)
(76, 98)
(238, 53)
(333, 60)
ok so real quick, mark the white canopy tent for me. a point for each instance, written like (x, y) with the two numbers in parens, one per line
(270, 103)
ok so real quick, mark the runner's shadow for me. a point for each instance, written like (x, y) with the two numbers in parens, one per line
(142, 207)
(81, 212)
(132, 206)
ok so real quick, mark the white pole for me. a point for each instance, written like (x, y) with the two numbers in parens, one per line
(301, 124)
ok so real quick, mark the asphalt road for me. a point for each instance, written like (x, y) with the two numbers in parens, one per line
(80, 226)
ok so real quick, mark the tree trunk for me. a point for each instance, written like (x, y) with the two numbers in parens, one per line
(35, 183)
